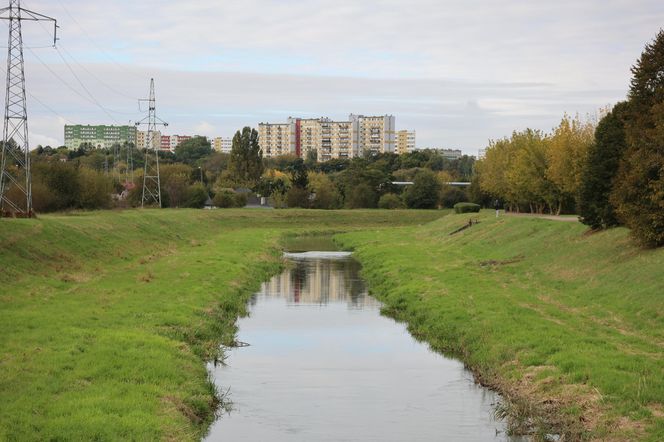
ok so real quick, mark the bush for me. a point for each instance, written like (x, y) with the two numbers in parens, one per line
(297, 197)
(466, 208)
(227, 198)
(390, 201)
(241, 199)
(196, 196)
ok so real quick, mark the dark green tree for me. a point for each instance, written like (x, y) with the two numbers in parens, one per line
(298, 174)
(423, 194)
(192, 150)
(594, 207)
(361, 196)
(638, 193)
(246, 161)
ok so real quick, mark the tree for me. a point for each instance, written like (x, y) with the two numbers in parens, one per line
(423, 194)
(361, 196)
(175, 180)
(567, 155)
(326, 194)
(638, 193)
(95, 190)
(192, 150)
(604, 156)
(246, 162)
(298, 174)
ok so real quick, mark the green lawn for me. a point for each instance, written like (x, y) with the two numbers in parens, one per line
(570, 326)
(107, 318)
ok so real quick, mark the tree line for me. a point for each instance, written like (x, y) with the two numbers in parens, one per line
(609, 172)
(194, 172)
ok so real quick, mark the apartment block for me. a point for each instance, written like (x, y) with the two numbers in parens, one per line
(405, 141)
(100, 136)
(275, 139)
(142, 140)
(328, 138)
(222, 144)
(373, 134)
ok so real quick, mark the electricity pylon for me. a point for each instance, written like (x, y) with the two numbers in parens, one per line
(15, 176)
(151, 182)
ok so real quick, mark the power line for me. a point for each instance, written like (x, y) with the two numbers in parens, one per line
(63, 81)
(99, 48)
(109, 87)
(94, 100)
(61, 46)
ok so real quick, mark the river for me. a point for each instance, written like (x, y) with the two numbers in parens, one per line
(322, 364)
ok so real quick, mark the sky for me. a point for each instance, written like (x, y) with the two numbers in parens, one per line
(459, 73)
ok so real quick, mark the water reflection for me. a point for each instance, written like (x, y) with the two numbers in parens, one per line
(324, 365)
(318, 281)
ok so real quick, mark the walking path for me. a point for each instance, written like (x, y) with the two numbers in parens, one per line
(564, 218)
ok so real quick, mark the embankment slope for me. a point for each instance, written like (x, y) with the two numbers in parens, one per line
(568, 325)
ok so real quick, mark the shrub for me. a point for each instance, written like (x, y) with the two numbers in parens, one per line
(196, 196)
(227, 198)
(297, 197)
(466, 208)
(241, 199)
(390, 201)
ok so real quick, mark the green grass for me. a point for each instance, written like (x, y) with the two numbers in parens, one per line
(107, 318)
(569, 326)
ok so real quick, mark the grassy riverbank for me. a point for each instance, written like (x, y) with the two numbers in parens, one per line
(107, 317)
(569, 326)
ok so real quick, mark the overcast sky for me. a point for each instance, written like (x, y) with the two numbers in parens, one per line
(458, 72)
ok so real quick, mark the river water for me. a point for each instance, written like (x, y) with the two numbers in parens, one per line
(322, 364)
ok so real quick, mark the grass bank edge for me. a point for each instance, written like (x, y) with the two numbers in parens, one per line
(549, 410)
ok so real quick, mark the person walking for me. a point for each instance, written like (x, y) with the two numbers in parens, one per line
(496, 204)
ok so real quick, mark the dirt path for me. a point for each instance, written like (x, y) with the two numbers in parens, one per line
(567, 218)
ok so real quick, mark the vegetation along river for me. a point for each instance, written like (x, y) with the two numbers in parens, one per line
(322, 364)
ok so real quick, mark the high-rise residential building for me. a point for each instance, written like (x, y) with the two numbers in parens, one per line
(101, 136)
(275, 139)
(405, 141)
(222, 144)
(373, 134)
(142, 140)
(327, 138)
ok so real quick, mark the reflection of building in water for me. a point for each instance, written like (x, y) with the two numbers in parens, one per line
(319, 281)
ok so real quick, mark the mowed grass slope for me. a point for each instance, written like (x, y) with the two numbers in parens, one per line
(107, 318)
(569, 326)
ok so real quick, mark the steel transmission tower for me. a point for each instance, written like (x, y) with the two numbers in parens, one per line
(15, 176)
(151, 182)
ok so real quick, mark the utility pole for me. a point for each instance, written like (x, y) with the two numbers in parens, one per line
(151, 182)
(15, 176)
